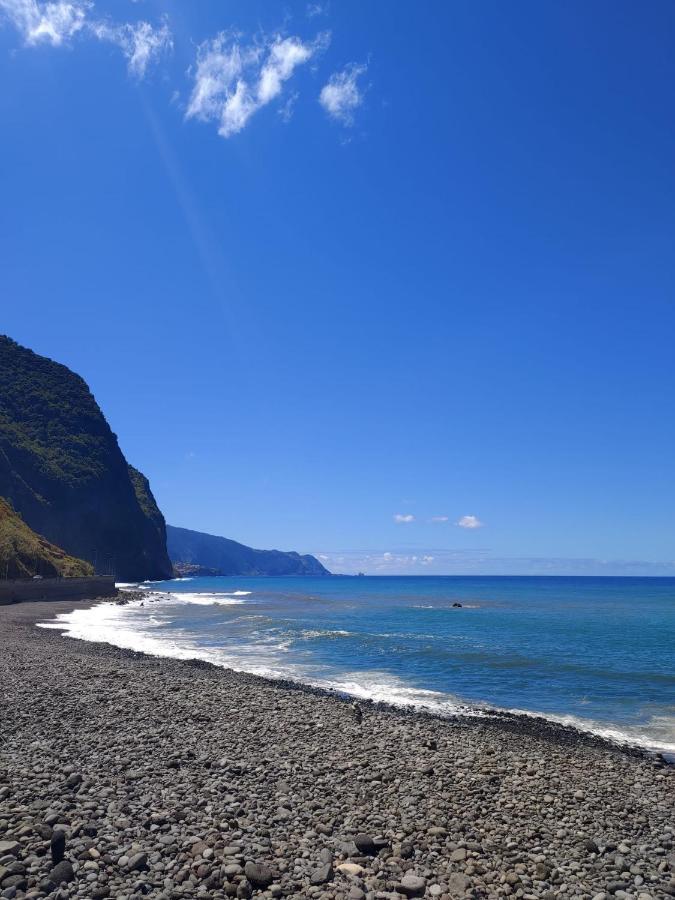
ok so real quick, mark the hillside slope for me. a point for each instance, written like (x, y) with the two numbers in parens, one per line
(23, 553)
(63, 470)
(228, 557)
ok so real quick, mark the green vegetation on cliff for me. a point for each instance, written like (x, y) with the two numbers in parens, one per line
(23, 553)
(63, 470)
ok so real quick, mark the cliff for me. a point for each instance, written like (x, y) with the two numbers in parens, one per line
(63, 470)
(23, 553)
(198, 551)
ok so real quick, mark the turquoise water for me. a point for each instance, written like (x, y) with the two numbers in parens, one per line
(599, 652)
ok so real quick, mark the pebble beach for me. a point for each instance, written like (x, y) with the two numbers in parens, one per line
(125, 776)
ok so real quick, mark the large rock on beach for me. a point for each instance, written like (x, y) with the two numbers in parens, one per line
(258, 874)
(62, 871)
(58, 846)
(413, 885)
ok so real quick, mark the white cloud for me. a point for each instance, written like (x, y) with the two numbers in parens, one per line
(427, 560)
(286, 110)
(317, 9)
(469, 522)
(141, 43)
(439, 519)
(53, 22)
(56, 22)
(401, 518)
(232, 81)
(342, 95)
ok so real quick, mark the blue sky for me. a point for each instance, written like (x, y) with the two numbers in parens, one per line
(328, 265)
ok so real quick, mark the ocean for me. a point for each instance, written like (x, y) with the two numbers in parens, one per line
(598, 653)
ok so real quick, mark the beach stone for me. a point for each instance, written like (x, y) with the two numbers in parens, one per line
(350, 869)
(232, 870)
(137, 861)
(9, 847)
(62, 871)
(458, 884)
(542, 871)
(14, 868)
(58, 846)
(406, 850)
(259, 875)
(365, 844)
(458, 855)
(198, 848)
(413, 885)
(72, 781)
(322, 874)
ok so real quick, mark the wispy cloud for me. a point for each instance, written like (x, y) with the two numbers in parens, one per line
(141, 44)
(288, 106)
(52, 23)
(317, 9)
(56, 22)
(341, 95)
(403, 518)
(233, 81)
(470, 522)
(439, 519)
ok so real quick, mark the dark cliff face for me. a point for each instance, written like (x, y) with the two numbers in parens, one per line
(62, 469)
(227, 557)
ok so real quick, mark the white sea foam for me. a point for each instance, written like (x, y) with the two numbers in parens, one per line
(199, 599)
(657, 734)
(327, 632)
(385, 688)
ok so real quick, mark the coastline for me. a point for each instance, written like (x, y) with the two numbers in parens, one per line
(563, 728)
(173, 778)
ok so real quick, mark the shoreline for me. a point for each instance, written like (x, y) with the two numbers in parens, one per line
(512, 721)
(177, 778)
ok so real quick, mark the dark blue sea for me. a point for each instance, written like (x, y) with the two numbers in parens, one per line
(595, 652)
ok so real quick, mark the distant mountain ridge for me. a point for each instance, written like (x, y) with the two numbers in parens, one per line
(63, 471)
(220, 555)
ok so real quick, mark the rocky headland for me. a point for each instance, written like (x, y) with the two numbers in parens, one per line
(62, 470)
(197, 553)
(128, 776)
